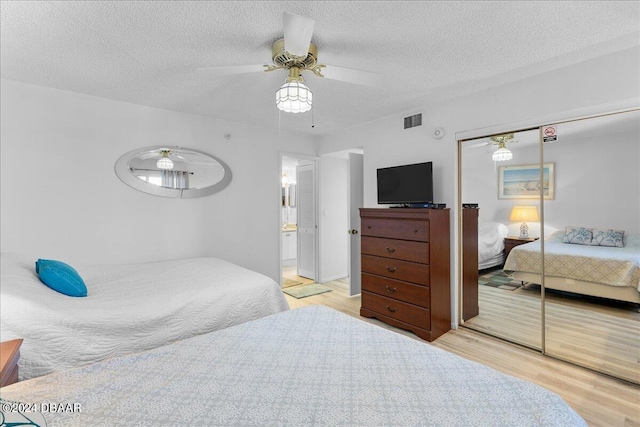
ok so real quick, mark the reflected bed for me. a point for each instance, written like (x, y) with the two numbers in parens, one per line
(606, 272)
(491, 244)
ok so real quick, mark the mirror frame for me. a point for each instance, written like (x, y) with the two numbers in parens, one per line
(123, 171)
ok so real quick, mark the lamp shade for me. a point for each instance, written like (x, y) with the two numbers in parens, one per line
(294, 97)
(502, 154)
(525, 214)
(164, 163)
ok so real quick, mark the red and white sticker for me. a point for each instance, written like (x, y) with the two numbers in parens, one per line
(549, 134)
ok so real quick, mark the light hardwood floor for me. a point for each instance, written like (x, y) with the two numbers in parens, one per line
(598, 334)
(599, 399)
(289, 272)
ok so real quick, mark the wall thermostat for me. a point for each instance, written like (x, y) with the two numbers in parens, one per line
(438, 133)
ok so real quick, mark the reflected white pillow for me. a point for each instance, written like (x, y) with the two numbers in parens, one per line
(577, 235)
(613, 238)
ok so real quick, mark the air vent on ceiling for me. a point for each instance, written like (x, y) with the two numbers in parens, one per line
(413, 121)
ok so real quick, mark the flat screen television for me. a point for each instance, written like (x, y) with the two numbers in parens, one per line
(406, 184)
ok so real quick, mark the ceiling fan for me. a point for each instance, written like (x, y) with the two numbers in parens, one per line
(163, 157)
(502, 153)
(295, 52)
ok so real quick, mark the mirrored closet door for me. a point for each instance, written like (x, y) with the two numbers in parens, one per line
(500, 189)
(592, 248)
(563, 202)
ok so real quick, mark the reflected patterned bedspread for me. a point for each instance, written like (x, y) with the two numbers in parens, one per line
(303, 367)
(598, 264)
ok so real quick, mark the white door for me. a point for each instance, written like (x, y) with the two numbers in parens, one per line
(356, 201)
(307, 229)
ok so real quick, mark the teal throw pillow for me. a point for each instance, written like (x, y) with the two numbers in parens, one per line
(61, 277)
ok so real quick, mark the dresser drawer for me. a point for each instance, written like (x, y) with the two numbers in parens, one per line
(407, 292)
(398, 310)
(396, 269)
(399, 249)
(396, 228)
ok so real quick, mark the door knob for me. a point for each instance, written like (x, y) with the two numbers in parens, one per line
(354, 231)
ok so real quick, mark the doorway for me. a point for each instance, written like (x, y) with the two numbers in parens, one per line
(298, 220)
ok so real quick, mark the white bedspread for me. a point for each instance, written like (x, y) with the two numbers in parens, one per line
(611, 266)
(129, 308)
(491, 244)
(312, 366)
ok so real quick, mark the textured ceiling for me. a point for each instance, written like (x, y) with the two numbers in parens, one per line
(147, 52)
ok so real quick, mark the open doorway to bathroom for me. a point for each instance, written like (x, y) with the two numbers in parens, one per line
(299, 230)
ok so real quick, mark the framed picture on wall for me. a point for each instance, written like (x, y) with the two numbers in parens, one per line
(523, 182)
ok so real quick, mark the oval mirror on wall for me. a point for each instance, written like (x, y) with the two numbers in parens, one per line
(173, 171)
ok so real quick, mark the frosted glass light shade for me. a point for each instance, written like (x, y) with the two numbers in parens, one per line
(165, 163)
(294, 97)
(502, 154)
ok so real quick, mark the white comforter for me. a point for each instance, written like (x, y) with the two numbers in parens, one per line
(129, 308)
(491, 243)
(311, 366)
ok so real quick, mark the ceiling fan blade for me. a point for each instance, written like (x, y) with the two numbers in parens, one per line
(476, 144)
(149, 155)
(366, 78)
(234, 69)
(297, 34)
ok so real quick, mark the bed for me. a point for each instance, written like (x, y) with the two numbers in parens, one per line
(600, 271)
(491, 244)
(308, 366)
(129, 308)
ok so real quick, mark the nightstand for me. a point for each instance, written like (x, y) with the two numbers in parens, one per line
(9, 356)
(511, 242)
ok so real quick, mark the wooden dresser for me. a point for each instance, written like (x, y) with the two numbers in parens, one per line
(405, 269)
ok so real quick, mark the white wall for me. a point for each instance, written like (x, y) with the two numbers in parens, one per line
(61, 198)
(587, 86)
(333, 220)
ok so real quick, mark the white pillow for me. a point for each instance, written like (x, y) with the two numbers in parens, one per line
(608, 237)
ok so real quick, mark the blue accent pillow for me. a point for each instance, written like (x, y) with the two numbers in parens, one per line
(61, 277)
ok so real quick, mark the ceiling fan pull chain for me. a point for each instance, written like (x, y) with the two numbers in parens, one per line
(313, 119)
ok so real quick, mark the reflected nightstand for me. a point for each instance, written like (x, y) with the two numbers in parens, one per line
(511, 242)
(9, 356)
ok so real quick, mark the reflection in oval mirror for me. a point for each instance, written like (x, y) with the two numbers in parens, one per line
(173, 171)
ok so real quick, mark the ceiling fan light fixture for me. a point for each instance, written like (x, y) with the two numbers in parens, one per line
(502, 153)
(164, 162)
(294, 97)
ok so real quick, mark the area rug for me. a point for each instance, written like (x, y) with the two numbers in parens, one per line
(287, 283)
(498, 279)
(304, 291)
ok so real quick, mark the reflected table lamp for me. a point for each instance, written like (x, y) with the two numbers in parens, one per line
(524, 214)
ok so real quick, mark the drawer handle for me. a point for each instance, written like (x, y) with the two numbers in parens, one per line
(390, 290)
(368, 227)
(391, 269)
(392, 309)
(391, 250)
(415, 231)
